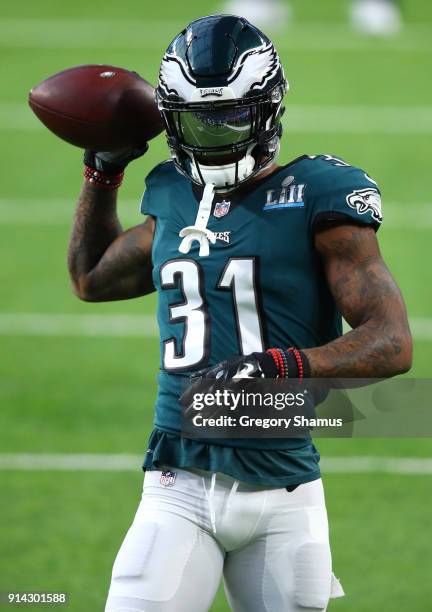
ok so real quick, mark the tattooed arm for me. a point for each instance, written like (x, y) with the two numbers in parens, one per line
(105, 263)
(379, 344)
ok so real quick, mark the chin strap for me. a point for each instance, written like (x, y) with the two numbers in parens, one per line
(199, 231)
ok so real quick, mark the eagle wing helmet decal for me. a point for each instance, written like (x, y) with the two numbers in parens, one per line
(254, 70)
(174, 70)
(366, 200)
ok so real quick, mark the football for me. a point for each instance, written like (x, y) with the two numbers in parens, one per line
(98, 107)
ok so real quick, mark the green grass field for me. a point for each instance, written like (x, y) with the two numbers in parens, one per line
(368, 101)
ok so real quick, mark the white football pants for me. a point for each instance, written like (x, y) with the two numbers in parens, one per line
(270, 546)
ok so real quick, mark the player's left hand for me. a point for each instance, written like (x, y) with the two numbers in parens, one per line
(256, 365)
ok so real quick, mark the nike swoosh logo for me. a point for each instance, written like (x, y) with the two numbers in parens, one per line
(245, 372)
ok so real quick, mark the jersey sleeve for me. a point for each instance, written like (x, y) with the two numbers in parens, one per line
(341, 193)
(146, 207)
(153, 201)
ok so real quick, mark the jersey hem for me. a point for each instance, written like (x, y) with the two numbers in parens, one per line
(264, 467)
(281, 482)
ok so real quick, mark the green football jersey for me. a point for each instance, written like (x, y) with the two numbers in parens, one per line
(262, 286)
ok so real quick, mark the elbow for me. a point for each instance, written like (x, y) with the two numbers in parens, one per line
(81, 288)
(85, 297)
(403, 353)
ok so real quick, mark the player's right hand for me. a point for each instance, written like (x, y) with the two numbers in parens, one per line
(113, 162)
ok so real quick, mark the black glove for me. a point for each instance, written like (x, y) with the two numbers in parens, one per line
(256, 365)
(113, 163)
(274, 363)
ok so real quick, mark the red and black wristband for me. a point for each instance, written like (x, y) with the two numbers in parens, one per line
(102, 180)
(291, 363)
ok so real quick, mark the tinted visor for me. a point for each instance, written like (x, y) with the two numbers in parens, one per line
(228, 127)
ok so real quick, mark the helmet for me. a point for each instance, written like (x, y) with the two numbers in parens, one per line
(220, 92)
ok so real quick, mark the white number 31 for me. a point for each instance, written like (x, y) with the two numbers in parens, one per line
(239, 277)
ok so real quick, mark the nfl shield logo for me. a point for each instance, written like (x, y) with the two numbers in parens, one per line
(168, 478)
(221, 209)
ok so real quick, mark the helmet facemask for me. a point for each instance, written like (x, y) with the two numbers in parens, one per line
(224, 142)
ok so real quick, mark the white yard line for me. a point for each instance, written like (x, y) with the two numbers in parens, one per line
(31, 324)
(123, 326)
(387, 465)
(56, 212)
(87, 34)
(122, 463)
(306, 119)
(59, 212)
(72, 462)
(421, 328)
(154, 35)
(18, 117)
(358, 119)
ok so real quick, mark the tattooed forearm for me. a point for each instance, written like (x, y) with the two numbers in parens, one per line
(370, 301)
(104, 262)
(96, 226)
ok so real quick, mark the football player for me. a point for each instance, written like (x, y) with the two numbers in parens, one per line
(254, 265)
